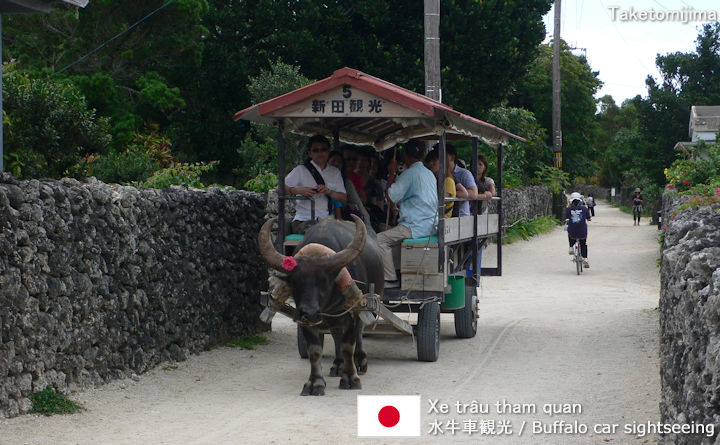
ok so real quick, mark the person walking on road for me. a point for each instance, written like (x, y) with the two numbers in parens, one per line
(637, 207)
(591, 204)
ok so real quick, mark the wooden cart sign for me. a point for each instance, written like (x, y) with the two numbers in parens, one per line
(345, 101)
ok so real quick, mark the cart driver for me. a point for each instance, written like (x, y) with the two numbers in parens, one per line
(317, 179)
(416, 193)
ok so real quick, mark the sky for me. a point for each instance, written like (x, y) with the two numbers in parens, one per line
(624, 50)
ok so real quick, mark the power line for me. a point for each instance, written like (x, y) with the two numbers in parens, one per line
(114, 38)
(621, 36)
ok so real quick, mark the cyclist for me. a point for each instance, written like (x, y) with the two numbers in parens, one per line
(578, 215)
(637, 207)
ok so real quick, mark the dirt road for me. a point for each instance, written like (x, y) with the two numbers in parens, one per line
(547, 340)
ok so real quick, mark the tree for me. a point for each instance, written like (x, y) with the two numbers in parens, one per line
(687, 79)
(521, 159)
(579, 85)
(49, 126)
(258, 152)
(135, 77)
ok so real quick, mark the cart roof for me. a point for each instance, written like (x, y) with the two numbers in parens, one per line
(366, 110)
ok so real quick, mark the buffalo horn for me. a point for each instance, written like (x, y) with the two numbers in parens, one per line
(267, 250)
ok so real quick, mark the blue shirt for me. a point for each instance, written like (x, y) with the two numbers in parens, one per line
(464, 177)
(416, 191)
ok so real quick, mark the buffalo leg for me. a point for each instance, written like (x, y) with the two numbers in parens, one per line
(361, 361)
(349, 378)
(315, 386)
(337, 363)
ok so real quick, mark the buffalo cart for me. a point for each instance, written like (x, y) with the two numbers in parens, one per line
(352, 107)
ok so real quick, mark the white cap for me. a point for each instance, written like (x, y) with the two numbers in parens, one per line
(575, 196)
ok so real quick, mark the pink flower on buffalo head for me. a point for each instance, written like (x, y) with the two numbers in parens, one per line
(670, 186)
(289, 263)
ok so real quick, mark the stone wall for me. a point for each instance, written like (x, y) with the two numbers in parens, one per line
(102, 281)
(525, 203)
(597, 191)
(690, 319)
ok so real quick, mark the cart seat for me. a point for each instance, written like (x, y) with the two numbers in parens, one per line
(291, 241)
(424, 240)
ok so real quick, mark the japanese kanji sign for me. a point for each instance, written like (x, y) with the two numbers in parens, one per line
(345, 101)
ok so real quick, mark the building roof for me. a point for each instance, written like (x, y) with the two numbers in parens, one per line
(30, 6)
(365, 110)
(704, 119)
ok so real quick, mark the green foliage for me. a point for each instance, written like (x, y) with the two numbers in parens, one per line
(524, 229)
(555, 179)
(156, 100)
(48, 402)
(49, 126)
(580, 83)
(154, 144)
(109, 99)
(248, 341)
(123, 168)
(262, 183)
(520, 159)
(258, 151)
(700, 167)
(186, 175)
(701, 200)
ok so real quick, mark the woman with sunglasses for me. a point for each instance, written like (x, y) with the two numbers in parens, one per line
(315, 179)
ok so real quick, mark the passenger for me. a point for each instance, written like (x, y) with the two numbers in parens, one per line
(486, 189)
(354, 204)
(352, 158)
(374, 193)
(485, 184)
(464, 177)
(416, 193)
(451, 189)
(316, 179)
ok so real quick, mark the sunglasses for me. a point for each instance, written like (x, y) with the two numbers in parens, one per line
(318, 150)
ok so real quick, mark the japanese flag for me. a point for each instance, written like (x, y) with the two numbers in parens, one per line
(388, 415)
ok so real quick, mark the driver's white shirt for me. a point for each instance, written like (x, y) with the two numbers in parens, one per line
(300, 176)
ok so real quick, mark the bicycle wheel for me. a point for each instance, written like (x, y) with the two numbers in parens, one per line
(578, 259)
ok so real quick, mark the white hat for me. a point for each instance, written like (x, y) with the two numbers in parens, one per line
(575, 196)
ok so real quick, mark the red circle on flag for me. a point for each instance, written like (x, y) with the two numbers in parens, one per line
(389, 416)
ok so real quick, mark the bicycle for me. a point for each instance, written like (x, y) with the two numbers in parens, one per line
(577, 254)
(577, 257)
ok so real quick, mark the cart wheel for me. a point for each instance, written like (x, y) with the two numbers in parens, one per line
(302, 343)
(466, 317)
(428, 332)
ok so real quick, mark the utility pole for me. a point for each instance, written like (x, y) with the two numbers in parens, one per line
(432, 50)
(557, 130)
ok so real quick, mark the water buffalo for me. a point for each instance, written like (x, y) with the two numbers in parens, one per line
(317, 277)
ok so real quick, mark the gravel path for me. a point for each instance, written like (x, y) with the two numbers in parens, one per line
(548, 340)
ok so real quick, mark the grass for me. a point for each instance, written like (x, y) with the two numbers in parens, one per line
(170, 366)
(49, 402)
(525, 229)
(248, 341)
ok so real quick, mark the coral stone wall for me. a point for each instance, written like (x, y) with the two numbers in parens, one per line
(101, 281)
(690, 319)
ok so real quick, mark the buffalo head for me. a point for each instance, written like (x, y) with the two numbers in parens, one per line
(312, 273)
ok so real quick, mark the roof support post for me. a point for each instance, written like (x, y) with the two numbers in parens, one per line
(441, 203)
(281, 189)
(500, 209)
(476, 209)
